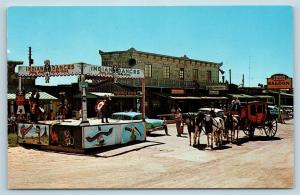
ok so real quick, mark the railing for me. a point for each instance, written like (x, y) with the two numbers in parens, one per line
(153, 82)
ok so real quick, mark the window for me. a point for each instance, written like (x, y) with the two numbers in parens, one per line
(259, 108)
(148, 70)
(166, 72)
(253, 110)
(181, 74)
(208, 75)
(195, 74)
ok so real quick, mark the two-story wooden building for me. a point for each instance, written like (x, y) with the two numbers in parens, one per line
(171, 81)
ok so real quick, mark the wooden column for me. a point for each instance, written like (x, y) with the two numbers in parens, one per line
(143, 99)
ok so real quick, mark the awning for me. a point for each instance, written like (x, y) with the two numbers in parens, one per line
(43, 96)
(197, 98)
(283, 93)
(95, 95)
(264, 96)
(100, 94)
(242, 96)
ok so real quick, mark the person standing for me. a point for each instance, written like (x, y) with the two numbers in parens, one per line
(98, 108)
(178, 120)
(105, 110)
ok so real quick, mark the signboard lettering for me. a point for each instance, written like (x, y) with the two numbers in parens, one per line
(55, 70)
(108, 71)
(279, 81)
(177, 91)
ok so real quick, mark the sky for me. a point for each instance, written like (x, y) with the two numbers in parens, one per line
(256, 41)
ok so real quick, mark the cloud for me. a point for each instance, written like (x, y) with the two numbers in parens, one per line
(8, 51)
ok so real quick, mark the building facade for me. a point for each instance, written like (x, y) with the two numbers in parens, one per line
(163, 70)
(167, 77)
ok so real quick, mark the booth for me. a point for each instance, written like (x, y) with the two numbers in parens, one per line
(73, 135)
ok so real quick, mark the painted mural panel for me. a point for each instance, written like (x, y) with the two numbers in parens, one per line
(132, 132)
(66, 136)
(33, 134)
(96, 136)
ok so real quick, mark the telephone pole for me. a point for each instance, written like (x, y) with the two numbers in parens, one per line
(30, 60)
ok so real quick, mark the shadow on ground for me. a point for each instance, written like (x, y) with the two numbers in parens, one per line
(243, 140)
(138, 146)
(205, 147)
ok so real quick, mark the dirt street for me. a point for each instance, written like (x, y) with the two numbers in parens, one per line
(162, 162)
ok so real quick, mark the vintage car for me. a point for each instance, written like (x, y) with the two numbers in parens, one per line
(274, 110)
(219, 112)
(151, 124)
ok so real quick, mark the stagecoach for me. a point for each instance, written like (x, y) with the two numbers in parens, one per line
(255, 115)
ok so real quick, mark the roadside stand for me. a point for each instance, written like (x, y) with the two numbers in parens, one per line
(78, 135)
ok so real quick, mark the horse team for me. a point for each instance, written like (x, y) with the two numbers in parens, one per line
(215, 128)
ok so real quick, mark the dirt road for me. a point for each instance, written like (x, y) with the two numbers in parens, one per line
(161, 162)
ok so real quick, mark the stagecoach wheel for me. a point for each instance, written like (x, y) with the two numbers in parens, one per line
(249, 130)
(246, 130)
(271, 128)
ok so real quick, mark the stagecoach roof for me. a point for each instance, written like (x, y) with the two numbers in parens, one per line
(43, 96)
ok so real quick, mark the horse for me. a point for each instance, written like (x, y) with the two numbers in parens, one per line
(232, 123)
(214, 126)
(194, 130)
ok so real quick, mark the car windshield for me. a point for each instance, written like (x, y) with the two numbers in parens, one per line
(137, 117)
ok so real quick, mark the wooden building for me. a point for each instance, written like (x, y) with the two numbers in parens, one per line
(170, 81)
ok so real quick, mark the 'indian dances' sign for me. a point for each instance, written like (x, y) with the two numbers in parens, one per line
(279, 81)
(108, 71)
(75, 69)
(56, 70)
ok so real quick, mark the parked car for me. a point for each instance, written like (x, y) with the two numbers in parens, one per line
(218, 112)
(274, 110)
(289, 110)
(151, 124)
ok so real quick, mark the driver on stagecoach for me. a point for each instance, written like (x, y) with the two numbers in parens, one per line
(236, 105)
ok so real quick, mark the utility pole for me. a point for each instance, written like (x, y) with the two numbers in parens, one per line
(243, 81)
(229, 76)
(249, 69)
(30, 60)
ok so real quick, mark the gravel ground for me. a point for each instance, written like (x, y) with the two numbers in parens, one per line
(161, 162)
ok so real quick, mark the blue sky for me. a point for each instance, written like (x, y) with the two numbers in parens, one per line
(228, 34)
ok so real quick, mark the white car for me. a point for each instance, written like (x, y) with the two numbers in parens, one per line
(218, 112)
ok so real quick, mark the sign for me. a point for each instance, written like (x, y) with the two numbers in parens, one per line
(216, 87)
(213, 92)
(83, 85)
(279, 81)
(75, 69)
(177, 91)
(55, 70)
(113, 72)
